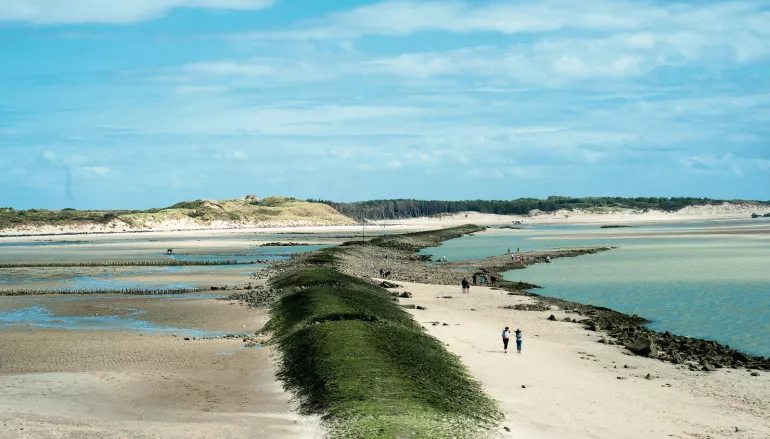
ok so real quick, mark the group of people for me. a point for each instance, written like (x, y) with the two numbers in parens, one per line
(384, 274)
(507, 337)
(478, 279)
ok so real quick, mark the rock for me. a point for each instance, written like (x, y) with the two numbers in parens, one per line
(622, 378)
(405, 295)
(386, 284)
(648, 377)
(706, 367)
(567, 319)
(755, 374)
(421, 307)
(643, 346)
(738, 356)
(552, 318)
(445, 324)
(603, 340)
(523, 387)
(506, 429)
(187, 338)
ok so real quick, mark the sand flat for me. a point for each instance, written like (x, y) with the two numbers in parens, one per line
(97, 384)
(572, 386)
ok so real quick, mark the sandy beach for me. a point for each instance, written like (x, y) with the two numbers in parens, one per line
(567, 385)
(135, 384)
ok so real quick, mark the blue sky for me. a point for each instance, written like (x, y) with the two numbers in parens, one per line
(145, 103)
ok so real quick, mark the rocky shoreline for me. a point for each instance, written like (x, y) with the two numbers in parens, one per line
(399, 254)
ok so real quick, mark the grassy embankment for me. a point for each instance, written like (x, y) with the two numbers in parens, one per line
(351, 354)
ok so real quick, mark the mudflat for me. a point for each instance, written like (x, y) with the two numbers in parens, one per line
(140, 384)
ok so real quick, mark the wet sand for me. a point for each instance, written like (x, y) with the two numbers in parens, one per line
(96, 384)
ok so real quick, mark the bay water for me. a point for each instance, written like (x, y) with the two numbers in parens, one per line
(705, 280)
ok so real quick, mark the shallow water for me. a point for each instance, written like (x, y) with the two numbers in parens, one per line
(713, 287)
(127, 319)
(109, 278)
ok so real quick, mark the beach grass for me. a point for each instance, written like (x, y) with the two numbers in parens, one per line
(351, 354)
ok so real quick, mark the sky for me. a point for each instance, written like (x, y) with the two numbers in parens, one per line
(145, 103)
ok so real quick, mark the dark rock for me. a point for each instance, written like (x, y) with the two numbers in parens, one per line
(567, 319)
(405, 295)
(648, 377)
(755, 374)
(445, 324)
(421, 307)
(386, 284)
(643, 346)
(187, 338)
(738, 356)
(552, 318)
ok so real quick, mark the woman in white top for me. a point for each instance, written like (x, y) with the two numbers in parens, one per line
(518, 340)
(506, 337)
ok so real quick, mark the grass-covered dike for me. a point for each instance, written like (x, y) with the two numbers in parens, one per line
(352, 355)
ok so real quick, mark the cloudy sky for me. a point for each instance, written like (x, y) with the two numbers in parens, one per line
(144, 103)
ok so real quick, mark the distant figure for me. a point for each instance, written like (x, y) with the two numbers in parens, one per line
(169, 251)
(517, 250)
(474, 279)
(466, 286)
(518, 340)
(382, 272)
(548, 259)
(506, 337)
(513, 257)
(509, 252)
(444, 258)
(387, 274)
(494, 279)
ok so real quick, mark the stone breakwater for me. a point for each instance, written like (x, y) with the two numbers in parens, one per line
(399, 255)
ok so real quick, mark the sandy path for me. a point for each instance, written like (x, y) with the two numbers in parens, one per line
(120, 384)
(572, 386)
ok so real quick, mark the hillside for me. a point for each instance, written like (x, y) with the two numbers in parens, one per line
(193, 215)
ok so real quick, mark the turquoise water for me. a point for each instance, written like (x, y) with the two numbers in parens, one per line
(712, 287)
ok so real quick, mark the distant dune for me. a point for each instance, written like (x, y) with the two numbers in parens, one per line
(285, 213)
(248, 212)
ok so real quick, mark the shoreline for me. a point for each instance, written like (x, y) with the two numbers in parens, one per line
(567, 384)
(600, 389)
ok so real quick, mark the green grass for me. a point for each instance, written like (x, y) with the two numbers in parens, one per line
(351, 354)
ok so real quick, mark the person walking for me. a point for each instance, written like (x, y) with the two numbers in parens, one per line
(382, 272)
(466, 286)
(474, 278)
(506, 337)
(519, 339)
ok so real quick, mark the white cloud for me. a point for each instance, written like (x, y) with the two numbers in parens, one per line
(105, 11)
(97, 170)
(240, 155)
(229, 68)
(49, 155)
(402, 17)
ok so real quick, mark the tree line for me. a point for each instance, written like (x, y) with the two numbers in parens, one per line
(409, 208)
